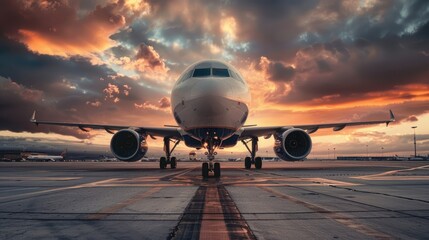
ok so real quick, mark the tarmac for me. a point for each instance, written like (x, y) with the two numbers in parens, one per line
(284, 200)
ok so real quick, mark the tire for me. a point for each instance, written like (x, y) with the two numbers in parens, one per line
(162, 162)
(258, 162)
(217, 170)
(205, 170)
(247, 163)
(173, 162)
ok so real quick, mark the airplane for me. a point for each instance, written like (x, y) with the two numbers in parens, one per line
(43, 157)
(210, 104)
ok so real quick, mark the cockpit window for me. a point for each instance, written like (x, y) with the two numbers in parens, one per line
(201, 72)
(220, 72)
(236, 76)
(186, 76)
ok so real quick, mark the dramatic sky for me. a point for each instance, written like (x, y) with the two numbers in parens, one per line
(115, 62)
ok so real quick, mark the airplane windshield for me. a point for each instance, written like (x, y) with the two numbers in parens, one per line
(201, 72)
(220, 72)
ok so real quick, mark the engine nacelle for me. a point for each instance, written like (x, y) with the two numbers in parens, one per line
(128, 145)
(292, 145)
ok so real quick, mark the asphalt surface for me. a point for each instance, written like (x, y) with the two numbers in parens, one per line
(298, 200)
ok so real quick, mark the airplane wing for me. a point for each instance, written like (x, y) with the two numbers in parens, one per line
(171, 132)
(311, 128)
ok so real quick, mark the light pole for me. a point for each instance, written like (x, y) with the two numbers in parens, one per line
(334, 153)
(382, 148)
(328, 153)
(415, 144)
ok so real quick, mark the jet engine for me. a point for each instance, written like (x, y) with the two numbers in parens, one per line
(292, 145)
(128, 145)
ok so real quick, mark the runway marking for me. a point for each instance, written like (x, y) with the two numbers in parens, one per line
(389, 175)
(19, 196)
(160, 178)
(336, 216)
(149, 181)
(146, 185)
(213, 225)
(289, 181)
(174, 175)
(189, 223)
(212, 214)
(107, 211)
(15, 178)
(235, 222)
(399, 178)
(18, 189)
(329, 182)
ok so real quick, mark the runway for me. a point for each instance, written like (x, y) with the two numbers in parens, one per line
(284, 200)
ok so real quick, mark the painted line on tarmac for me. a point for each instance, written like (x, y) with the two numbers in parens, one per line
(189, 224)
(15, 178)
(234, 220)
(338, 217)
(25, 195)
(166, 177)
(212, 214)
(18, 189)
(213, 225)
(146, 185)
(109, 210)
(290, 181)
(390, 175)
(174, 175)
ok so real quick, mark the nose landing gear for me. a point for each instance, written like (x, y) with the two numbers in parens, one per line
(210, 166)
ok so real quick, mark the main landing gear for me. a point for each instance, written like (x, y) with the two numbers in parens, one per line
(210, 166)
(248, 161)
(164, 161)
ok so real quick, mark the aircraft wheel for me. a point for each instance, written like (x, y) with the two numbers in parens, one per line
(205, 170)
(162, 162)
(258, 162)
(247, 163)
(173, 162)
(217, 170)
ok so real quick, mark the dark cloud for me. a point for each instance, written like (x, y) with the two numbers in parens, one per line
(355, 71)
(280, 72)
(63, 89)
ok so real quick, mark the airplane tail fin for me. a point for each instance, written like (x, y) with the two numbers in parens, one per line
(63, 154)
(392, 118)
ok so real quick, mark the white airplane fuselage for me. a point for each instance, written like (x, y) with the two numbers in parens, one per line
(210, 100)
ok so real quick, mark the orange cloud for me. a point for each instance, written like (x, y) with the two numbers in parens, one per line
(164, 102)
(94, 104)
(56, 28)
(148, 59)
(163, 105)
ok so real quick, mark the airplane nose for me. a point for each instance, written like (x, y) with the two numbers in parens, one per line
(209, 87)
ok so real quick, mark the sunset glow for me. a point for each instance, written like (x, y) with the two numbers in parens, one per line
(115, 62)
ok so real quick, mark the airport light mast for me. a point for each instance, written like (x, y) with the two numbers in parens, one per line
(415, 144)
